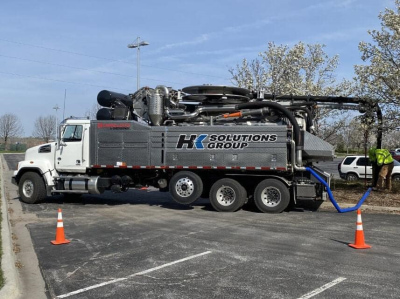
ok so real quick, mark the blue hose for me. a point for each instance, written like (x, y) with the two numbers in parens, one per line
(332, 199)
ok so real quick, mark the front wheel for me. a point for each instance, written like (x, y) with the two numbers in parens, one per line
(271, 196)
(31, 187)
(185, 187)
(227, 195)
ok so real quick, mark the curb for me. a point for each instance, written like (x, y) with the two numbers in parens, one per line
(11, 288)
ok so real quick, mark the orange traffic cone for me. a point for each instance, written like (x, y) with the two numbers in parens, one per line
(60, 237)
(359, 242)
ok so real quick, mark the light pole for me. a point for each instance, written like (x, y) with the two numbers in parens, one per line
(56, 108)
(137, 45)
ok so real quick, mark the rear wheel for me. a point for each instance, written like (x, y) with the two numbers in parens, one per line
(31, 187)
(185, 187)
(227, 195)
(271, 196)
(396, 178)
(351, 177)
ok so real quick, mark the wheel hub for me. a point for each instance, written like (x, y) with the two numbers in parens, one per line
(27, 188)
(184, 187)
(226, 196)
(271, 196)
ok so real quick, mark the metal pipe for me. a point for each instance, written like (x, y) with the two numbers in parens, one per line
(164, 89)
(309, 116)
(296, 128)
(198, 111)
(296, 157)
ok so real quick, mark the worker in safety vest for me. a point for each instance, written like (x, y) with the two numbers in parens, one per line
(386, 161)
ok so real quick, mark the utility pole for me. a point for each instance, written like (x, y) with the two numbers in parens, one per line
(137, 45)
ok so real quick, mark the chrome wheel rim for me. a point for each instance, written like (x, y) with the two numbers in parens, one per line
(184, 187)
(226, 196)
(271, 196)
(28, 188)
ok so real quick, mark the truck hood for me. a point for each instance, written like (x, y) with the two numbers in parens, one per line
(43, 151)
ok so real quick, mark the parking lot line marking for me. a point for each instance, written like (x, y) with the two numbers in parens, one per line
(323, 288)
(133, 275)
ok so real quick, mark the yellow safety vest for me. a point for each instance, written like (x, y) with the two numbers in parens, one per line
(383, 156)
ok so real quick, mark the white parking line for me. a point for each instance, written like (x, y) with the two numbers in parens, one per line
(323, 288)
(133, 275)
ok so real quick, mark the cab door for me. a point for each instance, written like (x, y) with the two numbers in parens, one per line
(72, 154)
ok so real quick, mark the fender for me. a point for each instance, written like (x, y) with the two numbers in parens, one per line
(41, 166)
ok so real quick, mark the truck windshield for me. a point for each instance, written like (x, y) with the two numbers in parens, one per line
(72, 133)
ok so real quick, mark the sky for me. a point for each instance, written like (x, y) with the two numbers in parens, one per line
(49, 47)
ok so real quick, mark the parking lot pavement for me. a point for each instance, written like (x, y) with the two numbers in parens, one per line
(142, 245)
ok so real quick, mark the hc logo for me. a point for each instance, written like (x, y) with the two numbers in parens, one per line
(193, 141)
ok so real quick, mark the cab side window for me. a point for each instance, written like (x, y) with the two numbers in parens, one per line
(72, 133)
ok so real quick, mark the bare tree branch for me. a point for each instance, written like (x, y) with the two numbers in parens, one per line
(10, 126)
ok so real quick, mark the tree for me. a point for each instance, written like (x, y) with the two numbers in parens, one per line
(45, 127)
(391, 139)
(300, 70)
(10, 126)
(379, 78)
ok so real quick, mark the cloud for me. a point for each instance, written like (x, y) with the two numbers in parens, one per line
(198, 40)
(205, 37)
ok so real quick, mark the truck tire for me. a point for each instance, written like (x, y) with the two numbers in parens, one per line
(271, 196)
(227, 195)
(31, 188)
(185, 187)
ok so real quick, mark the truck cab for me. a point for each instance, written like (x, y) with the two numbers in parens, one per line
(72, 150)
(43, 165)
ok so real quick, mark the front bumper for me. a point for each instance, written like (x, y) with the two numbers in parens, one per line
(14, 181)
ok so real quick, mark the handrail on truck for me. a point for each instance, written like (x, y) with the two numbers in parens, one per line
(332, 199)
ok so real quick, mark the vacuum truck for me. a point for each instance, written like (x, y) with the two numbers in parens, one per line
(224, 143)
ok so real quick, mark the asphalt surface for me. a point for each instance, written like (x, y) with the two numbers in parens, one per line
(142, 245)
